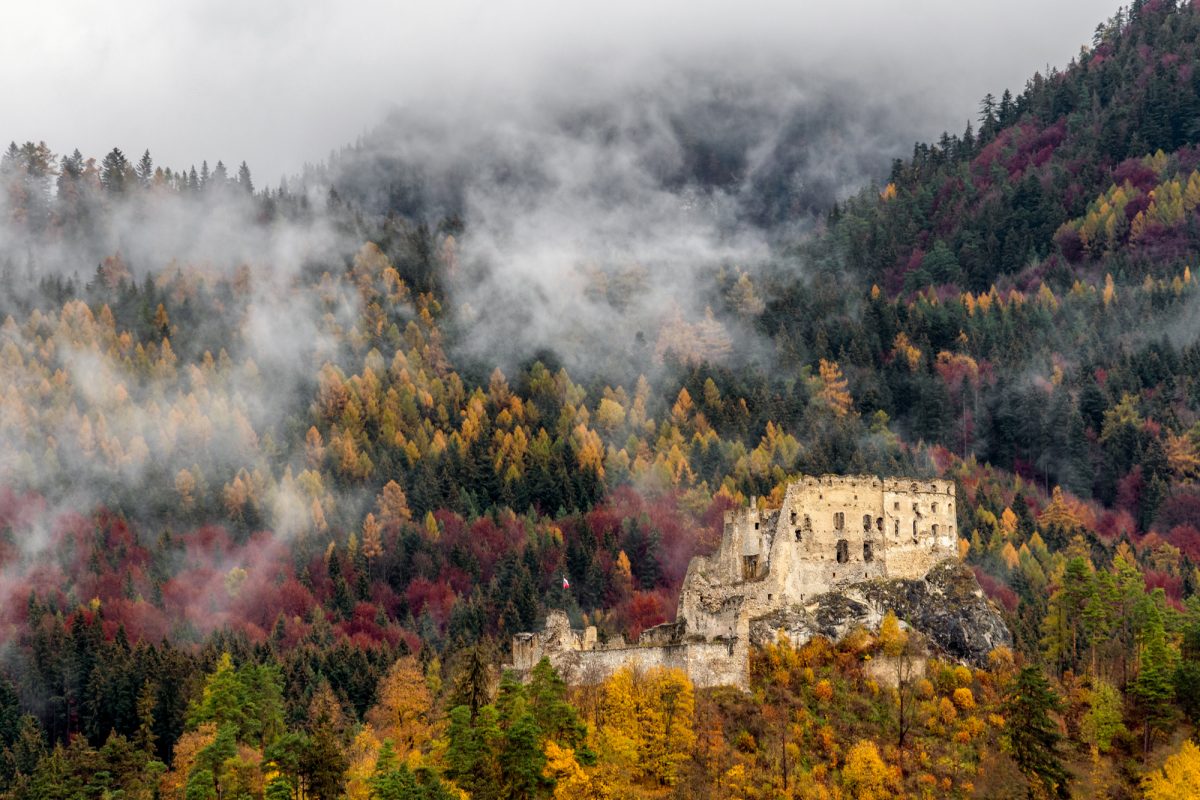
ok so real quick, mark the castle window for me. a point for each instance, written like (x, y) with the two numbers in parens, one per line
(797, 534)
(914, 530)
(793, 517)
(839, 520)
(756, 526)
(913, 488)
(807, 522)
(935, 530)
(843, 551)
(749, 567)
(879, 524)
(868, 552)
(916, 508)
(897, 531)
(867, 523)
(896, 505)
(933, 508)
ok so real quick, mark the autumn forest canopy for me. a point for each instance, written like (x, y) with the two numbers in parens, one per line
(284, 468)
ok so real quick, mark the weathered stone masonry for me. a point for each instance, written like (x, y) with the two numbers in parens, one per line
(831, 533)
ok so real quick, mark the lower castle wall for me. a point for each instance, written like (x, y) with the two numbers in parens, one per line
(706, 664)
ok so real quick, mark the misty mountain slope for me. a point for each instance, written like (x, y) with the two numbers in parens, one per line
(330, 446)
(971, 209)
(775, 148)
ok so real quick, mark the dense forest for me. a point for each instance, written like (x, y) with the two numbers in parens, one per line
(270, 512)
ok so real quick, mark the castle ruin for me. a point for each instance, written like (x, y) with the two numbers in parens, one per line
(831, 533)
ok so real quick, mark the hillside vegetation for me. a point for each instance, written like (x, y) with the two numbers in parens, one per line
(266, 531)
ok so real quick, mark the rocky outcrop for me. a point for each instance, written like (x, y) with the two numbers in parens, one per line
(947, 606)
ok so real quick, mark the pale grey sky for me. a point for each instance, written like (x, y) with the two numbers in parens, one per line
(282, 82)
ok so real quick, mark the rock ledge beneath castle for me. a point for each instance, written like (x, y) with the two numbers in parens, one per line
(947, 606)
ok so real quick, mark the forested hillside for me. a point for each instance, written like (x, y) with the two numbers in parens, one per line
(282, 470)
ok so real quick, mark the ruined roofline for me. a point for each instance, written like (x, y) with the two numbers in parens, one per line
(894, 485)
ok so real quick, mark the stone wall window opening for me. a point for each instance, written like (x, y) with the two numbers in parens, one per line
(807, 522)
(896, 505)
(839, 520)
(797, 534)
(914, 530)
(868, 552)
(756, 526)
(866, 523)
(843, 551)
(913, 488)
(879, 524)
(935, 530)
(933, 508)
(749, 567)
(897, 531)
(793, 517)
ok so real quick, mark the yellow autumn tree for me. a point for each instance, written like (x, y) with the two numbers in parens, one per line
(835, 388)
(393, 506)
(1059, 513)
(1179, 777)
(571, 782)
(372, 542)
(314, 447)
(866, 776)
(187, 750)
(1008, 521)
(1183, 456)
(402, 713)
(185, 486)
(646, 722)
(903, 349)
(362, 756)
(892, 638)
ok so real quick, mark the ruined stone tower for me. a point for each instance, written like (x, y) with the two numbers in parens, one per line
(831, 531)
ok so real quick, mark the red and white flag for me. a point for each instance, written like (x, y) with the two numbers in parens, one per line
(566, 583)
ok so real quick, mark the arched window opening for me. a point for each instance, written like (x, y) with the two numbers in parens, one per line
(843, 551)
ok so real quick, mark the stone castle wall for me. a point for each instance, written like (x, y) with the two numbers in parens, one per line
(830, 532)
(582, 660)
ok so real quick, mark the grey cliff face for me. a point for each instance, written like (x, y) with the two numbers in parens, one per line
(947, 606)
